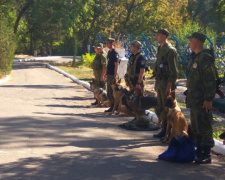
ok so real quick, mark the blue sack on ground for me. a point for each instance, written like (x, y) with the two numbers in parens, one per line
(179, 150)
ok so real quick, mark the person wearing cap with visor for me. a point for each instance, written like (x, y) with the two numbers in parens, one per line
(112, 70)
(99, 66)
(201, 89)
(136, 68)
(165, 72)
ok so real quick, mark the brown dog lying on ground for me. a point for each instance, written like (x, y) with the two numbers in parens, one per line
(100, 95)
(176, 122)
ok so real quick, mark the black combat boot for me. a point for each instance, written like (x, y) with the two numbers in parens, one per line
(95, 103)
(110, 109)
(162, 133)
(203, 156)
(199, 153)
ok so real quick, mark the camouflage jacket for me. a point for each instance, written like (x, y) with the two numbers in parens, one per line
(99, 62)
(201, 79)
(165, 65)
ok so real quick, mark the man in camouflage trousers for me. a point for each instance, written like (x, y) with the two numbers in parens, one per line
(136, 69)
(201, 89)
(112, 70)
(165, 72)
(99, 66)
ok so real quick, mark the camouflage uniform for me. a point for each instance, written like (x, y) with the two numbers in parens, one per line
(201, 85)
(99, 63)
(131, 77)
(165, 71)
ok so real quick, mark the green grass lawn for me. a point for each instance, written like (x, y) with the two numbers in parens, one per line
(85, 73)
(79, 71)
(217, 131)
(82, 73)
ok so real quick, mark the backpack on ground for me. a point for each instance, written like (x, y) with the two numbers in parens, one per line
(179, 150)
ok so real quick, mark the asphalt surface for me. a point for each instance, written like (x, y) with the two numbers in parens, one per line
(48, 130)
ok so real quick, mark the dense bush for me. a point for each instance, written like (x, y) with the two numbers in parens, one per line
(7, 47)
(87, 59)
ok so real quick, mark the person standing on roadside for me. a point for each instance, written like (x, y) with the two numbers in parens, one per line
(165, 72)
(136, 68)
(112, 70)
(99, 66)
(201, 90)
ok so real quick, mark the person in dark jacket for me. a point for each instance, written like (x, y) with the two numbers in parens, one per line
(112, 70)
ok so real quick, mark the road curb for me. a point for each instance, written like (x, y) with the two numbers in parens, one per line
(219, 147)
(83, 83)
(42, 58)
(5, 79)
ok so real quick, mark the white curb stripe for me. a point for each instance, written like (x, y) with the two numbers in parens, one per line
(5, 79)
(83, 83)
(219, 147)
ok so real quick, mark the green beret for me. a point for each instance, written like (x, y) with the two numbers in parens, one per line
(163, 31)
(136, 44)
(98, 45)
(110, 40)
(199, 36)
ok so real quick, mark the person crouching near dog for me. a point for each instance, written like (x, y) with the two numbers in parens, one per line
(165, 72)
(99, 66)
(136, 69)
(112, 70)
(201, 90)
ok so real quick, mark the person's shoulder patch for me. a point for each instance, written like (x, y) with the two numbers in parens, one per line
(142, 62)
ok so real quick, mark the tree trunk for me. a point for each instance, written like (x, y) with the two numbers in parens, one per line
(27, 5)
(75, 49)
(31, 44)
(129, 10)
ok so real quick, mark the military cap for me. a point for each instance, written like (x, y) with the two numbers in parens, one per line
(136, 44)
(98, 45)
(110, 40)
(199, 36)
(163, 31)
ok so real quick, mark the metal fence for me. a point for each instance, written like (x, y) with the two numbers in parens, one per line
(150, 45)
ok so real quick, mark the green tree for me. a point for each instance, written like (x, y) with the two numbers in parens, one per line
(7, 46)
(210, 13)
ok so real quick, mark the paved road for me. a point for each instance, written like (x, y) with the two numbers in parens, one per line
(48, 131)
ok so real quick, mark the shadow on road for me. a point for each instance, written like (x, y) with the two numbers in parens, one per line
(95, 156)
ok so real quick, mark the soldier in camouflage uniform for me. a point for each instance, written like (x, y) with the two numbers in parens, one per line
(112, 70)
(165, 71)
(99, 66)
(135, 69)
(201, 86)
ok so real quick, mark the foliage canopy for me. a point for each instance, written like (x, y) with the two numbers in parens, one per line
(67, 27)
